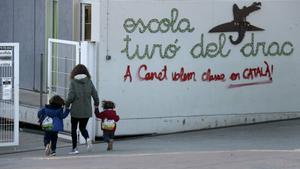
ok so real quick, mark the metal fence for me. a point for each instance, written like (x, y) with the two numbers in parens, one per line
(9, 94)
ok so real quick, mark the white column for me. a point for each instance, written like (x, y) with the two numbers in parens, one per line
(87, 51)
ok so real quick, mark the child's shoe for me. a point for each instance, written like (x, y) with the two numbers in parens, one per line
(48, 150)
(89, 144)
(53, 153)
(110, 145)
(74, 151)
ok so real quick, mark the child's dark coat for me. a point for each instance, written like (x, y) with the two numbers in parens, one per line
(56, 113)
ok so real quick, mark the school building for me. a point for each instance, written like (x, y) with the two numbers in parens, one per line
(169, 65)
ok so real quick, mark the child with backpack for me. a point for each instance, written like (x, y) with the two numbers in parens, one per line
(109, 118)
(51, 119)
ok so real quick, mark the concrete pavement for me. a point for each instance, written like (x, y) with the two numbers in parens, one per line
(30, 140)
(273, 145)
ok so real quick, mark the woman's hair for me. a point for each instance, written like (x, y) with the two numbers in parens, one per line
(108, 104)
(57, 101)
(79, 69)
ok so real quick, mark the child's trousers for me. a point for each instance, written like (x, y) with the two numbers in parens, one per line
(108, 136)
(51, 136)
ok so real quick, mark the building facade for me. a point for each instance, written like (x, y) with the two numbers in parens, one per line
(189, 65)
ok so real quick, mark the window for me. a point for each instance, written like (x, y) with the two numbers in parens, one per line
(86, 22)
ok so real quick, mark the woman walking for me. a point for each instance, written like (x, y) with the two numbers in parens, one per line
(79, 98)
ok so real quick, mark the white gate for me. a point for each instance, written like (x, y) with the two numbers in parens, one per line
(9, 94)
(63, 55)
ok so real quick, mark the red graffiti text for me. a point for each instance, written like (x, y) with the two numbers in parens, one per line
(143, 75)
(128, 74)
(209, 76)
(251, 73)
(183, 76)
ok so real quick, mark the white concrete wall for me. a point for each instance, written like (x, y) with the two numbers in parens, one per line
(154, 106)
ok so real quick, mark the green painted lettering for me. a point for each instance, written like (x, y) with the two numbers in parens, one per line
(211, 50)
(164, 25)
(129, 25)
(272, 49)
(283, 48)
(169, 51)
